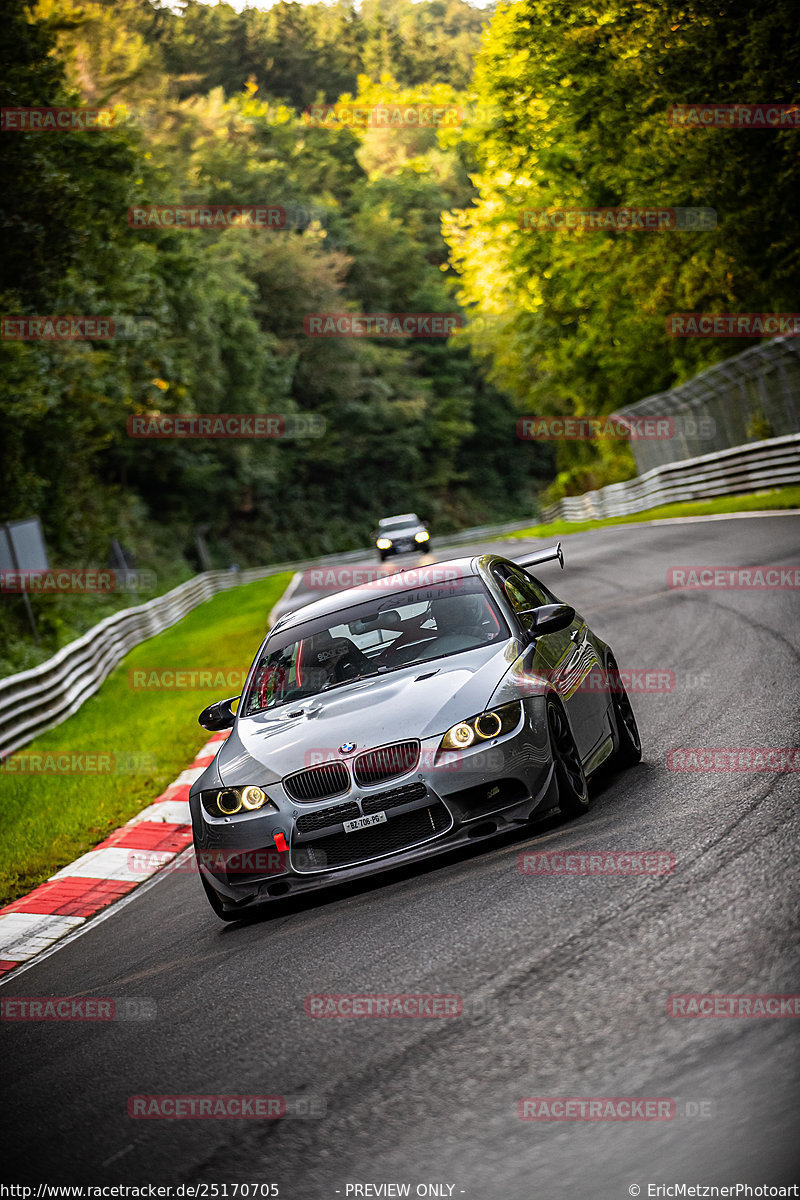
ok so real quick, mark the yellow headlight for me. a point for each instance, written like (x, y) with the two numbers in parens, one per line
(459, 737)
(383, 543)
(488, 725)
(484, 727)
(228, 802)
(421, 537)
(253, 797)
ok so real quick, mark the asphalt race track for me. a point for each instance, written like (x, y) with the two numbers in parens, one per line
(564, 980)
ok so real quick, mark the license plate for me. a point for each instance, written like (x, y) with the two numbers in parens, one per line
(377, 818)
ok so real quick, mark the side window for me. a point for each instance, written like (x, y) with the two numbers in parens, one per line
(521, 591)
(546, 595)
(274, 676)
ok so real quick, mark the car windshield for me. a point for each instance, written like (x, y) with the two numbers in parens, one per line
(373, 638)
(393, 523)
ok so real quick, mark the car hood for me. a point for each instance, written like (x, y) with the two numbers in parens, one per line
(419, 701)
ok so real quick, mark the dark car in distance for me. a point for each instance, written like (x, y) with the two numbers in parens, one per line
(405, 534)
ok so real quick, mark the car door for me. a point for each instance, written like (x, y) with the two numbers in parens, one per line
(566, 658)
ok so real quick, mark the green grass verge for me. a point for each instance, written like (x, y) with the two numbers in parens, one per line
(47, 819)
(787, 497)
(61, 617)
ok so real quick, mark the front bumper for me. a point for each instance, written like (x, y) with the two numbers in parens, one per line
(447, 801)
(405, 546)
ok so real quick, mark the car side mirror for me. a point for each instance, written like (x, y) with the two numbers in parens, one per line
(548, 618)
(219, 715)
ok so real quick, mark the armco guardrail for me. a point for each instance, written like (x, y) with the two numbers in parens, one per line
(771, 463)
(754, 395)
(42, 697)
(36, 700)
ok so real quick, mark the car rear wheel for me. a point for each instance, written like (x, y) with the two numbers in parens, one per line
(629, 744)
(573, 790)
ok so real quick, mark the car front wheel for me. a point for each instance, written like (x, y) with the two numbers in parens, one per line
(573, 790)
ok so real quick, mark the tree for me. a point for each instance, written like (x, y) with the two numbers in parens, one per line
(581, 98)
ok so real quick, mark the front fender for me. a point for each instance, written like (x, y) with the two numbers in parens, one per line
(521, 681)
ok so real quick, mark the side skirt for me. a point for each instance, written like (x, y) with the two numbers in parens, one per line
(598, 756)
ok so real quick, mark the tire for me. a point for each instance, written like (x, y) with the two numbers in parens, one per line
(629, 743)
(573, 790)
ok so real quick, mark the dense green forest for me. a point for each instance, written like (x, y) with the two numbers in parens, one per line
(543, 106)
(584, 92)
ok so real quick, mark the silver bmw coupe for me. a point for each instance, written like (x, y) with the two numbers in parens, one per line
(396, 720)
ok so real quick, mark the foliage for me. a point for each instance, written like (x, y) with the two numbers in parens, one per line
(567, 107)
(581, 95)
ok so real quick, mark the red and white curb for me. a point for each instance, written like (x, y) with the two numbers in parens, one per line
(96, 879)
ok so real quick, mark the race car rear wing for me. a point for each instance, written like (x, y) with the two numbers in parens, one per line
(541, 556)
